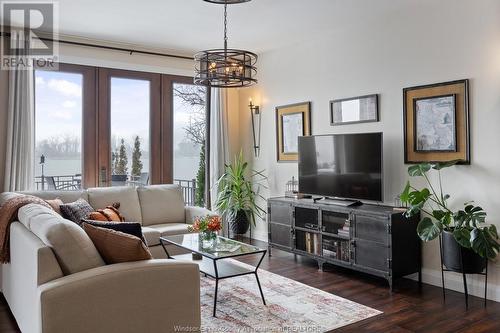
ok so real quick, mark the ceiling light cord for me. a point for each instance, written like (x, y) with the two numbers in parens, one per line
(225, 26)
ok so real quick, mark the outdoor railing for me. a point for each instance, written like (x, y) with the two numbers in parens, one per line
(65, 182)
(74, 182)
(188, 190)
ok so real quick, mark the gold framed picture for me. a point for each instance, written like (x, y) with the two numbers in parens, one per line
(436, 122)
(292, 121)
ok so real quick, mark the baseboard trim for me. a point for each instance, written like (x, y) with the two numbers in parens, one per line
(453, 281)
(260, 236)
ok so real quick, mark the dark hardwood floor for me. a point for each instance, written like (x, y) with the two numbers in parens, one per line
(407, 309)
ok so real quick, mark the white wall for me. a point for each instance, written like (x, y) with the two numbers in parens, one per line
(429, 42)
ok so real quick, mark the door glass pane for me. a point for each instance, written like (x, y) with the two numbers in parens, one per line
(58, 130)
(189, 141)
(130, 110)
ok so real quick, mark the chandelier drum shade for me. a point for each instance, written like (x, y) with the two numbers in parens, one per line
(225, 68)
(227, 2)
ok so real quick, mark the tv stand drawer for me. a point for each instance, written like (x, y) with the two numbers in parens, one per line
(279, 213)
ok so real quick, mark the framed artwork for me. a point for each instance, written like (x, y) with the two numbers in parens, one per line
(436, 122)
(362, 109)
(292, 121)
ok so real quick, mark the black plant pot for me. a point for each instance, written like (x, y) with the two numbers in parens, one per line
(240, 224)
(472, 262)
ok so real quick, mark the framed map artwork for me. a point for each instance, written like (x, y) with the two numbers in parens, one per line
(436, 122)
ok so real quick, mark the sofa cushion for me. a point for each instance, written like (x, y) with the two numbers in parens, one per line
(74, 250)
(115, 246)
(125, 195)
(31, 212)
(5, 196)
(169, 229)
(65, 196)
(161, 204)
(76, 211)
(55, 204)
(152, 236)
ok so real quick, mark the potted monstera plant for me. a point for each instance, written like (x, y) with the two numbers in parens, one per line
(466, 238)
(237, 194)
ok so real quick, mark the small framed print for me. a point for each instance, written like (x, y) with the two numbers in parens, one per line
(362, 109)
(292, 121)
(436, 122)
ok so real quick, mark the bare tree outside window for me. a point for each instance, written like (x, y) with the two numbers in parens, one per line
(193, 100)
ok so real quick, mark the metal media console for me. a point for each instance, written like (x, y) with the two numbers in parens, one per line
(373, 239)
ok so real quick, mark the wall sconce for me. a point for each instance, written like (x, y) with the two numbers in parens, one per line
(255, 115)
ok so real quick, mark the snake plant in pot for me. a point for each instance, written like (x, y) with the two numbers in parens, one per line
(237, 194)
(467, 241)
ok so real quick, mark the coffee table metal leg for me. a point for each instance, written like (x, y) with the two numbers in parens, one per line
(215, 295)
(216, 286)
(257, 277)
(260, 289)
(165, 249)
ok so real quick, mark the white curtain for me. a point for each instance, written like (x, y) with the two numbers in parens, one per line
(219, 150)
(20, 125)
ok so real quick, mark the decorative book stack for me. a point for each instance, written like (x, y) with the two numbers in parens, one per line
(312, 243)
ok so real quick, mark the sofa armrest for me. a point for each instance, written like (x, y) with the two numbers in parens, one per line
(142, 296)
(192, 212)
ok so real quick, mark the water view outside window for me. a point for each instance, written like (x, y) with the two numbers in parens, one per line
(189, 138)
(58, 130)
(130, 110)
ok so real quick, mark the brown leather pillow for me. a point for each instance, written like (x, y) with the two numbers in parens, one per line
(55, 204)
(108, 214)
(115, 246)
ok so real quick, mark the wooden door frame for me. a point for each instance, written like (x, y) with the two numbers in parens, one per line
(89, 119)
(104, 123)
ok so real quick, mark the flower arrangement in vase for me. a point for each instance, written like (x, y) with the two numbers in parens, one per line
(207, 227)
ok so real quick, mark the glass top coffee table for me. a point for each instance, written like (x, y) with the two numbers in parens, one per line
(212, 254)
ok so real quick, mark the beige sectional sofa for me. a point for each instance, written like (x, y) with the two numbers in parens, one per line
(51, 286)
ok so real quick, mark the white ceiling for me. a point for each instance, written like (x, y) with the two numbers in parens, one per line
(187, 26)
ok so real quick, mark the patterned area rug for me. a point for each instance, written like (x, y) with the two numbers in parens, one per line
(291, 306)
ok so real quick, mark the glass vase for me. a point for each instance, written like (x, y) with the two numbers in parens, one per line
(208, 239)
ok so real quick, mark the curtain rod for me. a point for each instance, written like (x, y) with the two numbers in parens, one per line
(109, 47)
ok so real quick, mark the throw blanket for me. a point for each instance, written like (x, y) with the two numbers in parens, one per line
(8, 214)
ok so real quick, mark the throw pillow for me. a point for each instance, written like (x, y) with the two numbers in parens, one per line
(110, 213)
(115, 246)
(76, 211)
(55, 204)
(73, 249)
(131, 228)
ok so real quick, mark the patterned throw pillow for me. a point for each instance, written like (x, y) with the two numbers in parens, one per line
(115, 246)
(131, 228)
(76, 211)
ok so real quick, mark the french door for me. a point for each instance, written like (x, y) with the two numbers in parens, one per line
(108, 127)
(129, 130)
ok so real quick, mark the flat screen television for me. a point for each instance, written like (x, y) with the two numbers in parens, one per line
(342, 166)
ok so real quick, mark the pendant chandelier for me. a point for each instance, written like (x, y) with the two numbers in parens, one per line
(225, 68)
